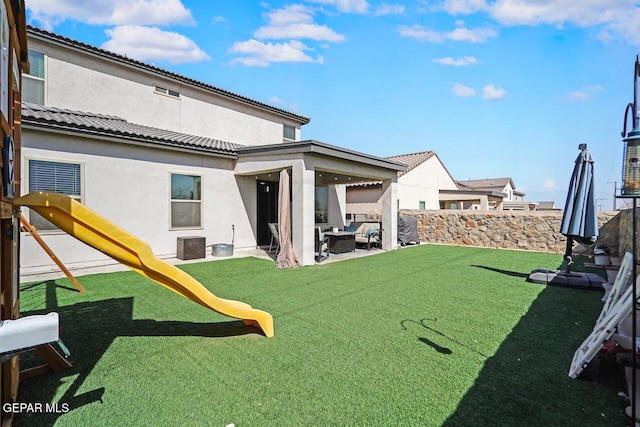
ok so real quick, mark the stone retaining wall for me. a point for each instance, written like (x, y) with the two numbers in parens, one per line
(534, 230)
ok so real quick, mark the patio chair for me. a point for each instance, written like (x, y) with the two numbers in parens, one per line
(275, 236)
(322, 245)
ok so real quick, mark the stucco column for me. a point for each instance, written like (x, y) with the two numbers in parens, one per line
(337, 205)
(389, 214)
(484, 203)
(302, 210)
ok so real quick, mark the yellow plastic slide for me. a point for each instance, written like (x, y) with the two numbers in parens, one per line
(97, 232)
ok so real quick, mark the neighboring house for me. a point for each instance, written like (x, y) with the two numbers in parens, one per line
(164, 156)
(485, 194)
(547, 206)
(418, 186)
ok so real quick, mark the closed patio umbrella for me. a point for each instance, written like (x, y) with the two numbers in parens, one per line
(286, 257)
(580, 219)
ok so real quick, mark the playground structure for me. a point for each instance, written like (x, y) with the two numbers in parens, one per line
(34, 233)
(92, 229)
(14, 59)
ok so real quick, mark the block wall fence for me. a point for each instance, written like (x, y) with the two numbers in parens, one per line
(533, 230)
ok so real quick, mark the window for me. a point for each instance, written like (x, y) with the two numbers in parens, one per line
(164, 91)
(186, 201)
(33, 83)
(53, 177)
(289, 132)
(421, 205)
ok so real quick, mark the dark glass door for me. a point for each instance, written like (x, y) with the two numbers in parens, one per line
(267, 209)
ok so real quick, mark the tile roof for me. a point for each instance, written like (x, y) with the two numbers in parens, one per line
(412, 160)
(478, 184)
(101, 125)
(46, 35)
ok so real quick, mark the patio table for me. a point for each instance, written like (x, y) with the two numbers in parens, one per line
(341, 241)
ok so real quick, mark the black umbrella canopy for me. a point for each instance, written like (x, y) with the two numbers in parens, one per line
(580, 217)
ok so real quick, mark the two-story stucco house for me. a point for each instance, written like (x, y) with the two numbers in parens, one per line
(165, 156)
(485, 194)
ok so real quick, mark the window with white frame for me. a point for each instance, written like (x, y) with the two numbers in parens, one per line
(53, 177)
(33, 82)
(186, 201)
(289, 132)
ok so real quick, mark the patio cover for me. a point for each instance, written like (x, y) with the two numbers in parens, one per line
(312, 164)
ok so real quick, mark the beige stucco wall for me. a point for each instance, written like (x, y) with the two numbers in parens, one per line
(423, 183)
(130, 186)
(78, 81)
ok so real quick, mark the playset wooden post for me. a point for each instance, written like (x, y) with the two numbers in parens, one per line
(13, 59)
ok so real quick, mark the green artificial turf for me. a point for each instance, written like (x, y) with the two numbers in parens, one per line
(423, 336)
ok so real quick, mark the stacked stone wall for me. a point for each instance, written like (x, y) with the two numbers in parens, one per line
(534, 231)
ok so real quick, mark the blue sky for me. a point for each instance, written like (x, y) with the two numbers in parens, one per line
(495, 87)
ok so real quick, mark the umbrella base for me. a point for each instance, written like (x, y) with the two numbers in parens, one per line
(576, 280)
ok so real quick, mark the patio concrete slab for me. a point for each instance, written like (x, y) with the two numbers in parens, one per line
(110, 266)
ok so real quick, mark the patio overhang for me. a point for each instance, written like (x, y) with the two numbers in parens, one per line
(484, 199)
(316, 164)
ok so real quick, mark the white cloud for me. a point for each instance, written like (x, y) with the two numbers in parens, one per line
(492, 93)
(478, 35)
(584, 94)
(261, 54)
(153, 44)
(461, 34)
(293, 14)
(389, 9)
(455, 7)
(276, 100)
(49, 13)
(351, 6)
(465, 60)
(462, 90)
(534, 12)
(295, 22)
(614, 19)
(299, 31)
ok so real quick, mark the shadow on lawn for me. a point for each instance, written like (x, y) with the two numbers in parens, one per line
(89, 329)
(436, 347)
(507, 272)
(526, 382)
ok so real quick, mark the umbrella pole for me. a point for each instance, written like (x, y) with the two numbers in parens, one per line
(567, 254)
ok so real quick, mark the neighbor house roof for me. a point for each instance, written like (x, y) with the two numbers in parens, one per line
(485, 184)
(100, 125)
(412, 160)
(74, 44)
